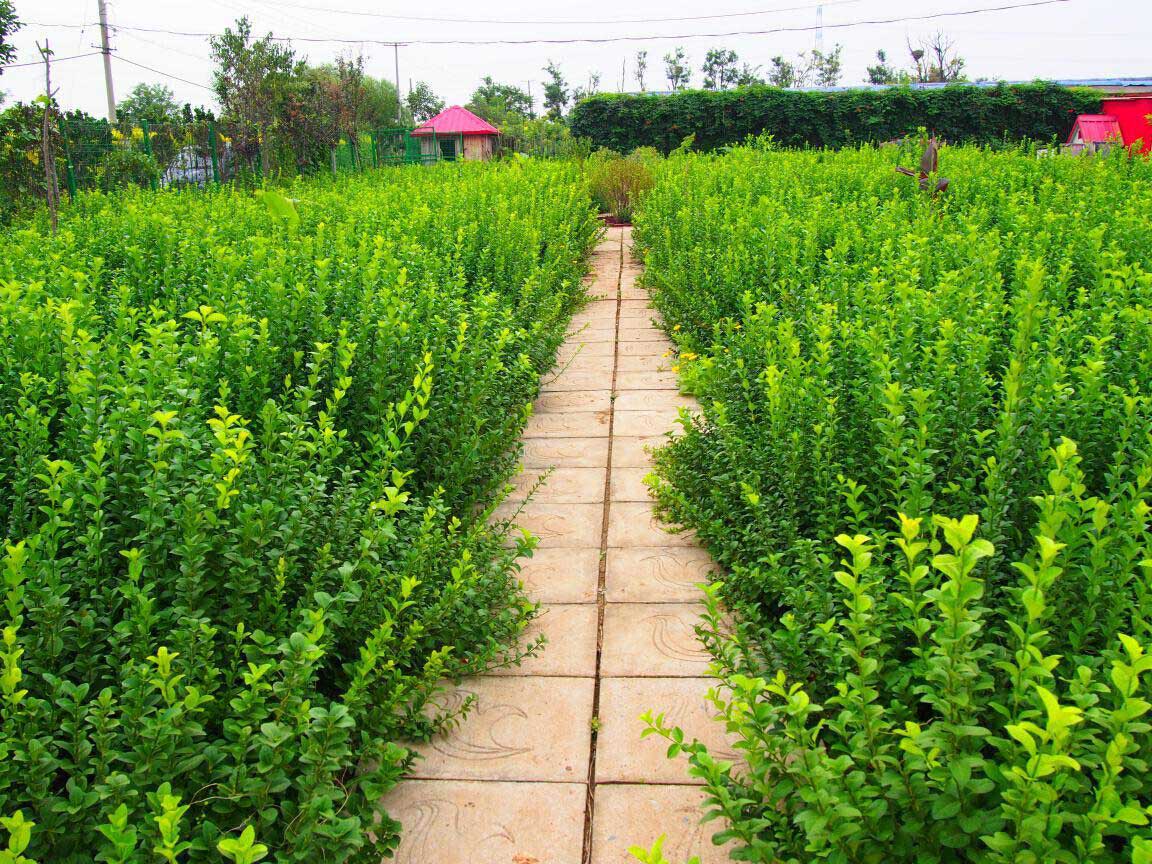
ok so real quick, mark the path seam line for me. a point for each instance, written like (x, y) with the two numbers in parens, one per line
(601, 598)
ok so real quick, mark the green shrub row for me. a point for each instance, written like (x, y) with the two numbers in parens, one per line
(957, 113)
(924, 462)
(247, 459)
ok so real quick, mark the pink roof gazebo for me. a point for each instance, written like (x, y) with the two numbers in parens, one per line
(457, 133)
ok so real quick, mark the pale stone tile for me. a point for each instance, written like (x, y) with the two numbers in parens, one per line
(631, 452)
(634, 524)
(646, 363)
(652, 640)
(630, 815)
(561, 575)
(586, 322)
(570, 380)
(642, 334)
(622, 756)
(557, 525)
(561, 486)
(628, 484)
(565, 452)
(628, 292)
(656, 574)
(458, 821)
(577, 347)
(651, 400)
(519, 728)
(634, 423)
(570, 650)
(643, 349)
(572, 424)
(605, 309)
(573, 400)
(587, 363)
(632, 379)
(595, 335)
(640, 305)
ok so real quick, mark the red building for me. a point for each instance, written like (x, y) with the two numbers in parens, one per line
(1132, 115)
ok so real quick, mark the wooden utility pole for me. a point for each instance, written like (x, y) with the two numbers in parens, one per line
(47, 139)
(399, 110)
(107, 52)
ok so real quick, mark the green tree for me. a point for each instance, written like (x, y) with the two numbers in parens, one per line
(555, 92)
(151, 102)
(824, 70)
(423, 104)
(676, 69)
(935, 59)
(641, 68)
(9, 24)
(720, 70)
(883, 72)
(382, 106)
(817, 68)
(252, 81)
(499, 103)
(591, 89)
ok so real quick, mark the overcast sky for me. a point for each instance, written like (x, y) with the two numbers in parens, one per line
(1073, 39)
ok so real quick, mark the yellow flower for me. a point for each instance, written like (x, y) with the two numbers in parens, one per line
(117, 135)
(137, 133)
(676, 329)
(676, 368)
(688, 355)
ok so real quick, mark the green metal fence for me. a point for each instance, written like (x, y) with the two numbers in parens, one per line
(94, 154)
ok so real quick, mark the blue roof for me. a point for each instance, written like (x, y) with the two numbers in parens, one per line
(1063, 82)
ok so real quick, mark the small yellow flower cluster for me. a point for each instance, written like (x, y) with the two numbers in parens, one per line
(688, 355)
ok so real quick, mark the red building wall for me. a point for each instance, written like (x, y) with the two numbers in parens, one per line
(1133, 117)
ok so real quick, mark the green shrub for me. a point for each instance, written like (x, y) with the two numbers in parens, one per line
(245, 477)
(618, 183)
(122, 167)
(871, 360)
(957, 113)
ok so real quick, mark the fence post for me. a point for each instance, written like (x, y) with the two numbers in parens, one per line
(215, 155)
(147, 129)
(375, 150)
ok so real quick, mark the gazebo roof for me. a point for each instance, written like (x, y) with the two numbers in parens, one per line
(1096, 128)
(456, 121)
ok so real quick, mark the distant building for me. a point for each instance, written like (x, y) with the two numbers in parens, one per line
(457, 133)
(1094, 132)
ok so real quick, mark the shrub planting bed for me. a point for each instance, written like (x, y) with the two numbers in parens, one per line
(924, 462)
(248, 453)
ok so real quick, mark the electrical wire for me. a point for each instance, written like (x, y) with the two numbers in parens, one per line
(597, 40)
(160, 72)
(549, 22)
(53, 59)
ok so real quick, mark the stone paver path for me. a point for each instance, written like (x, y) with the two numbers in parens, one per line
(525, 779)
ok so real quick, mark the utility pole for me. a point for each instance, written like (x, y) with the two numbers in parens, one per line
(396, 57)
(531, 103)
(107, 52)
(820, 28)
(47, 139)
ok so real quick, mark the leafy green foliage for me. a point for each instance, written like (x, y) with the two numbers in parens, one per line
(618, 183)
(957, 113)
(246, 483)
(902, 685)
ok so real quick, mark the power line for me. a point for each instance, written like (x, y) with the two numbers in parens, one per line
(564, 22)
(54, 60)
(931, 16)
(123, 59)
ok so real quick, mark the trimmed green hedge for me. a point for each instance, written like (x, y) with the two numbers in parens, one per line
(957, 113)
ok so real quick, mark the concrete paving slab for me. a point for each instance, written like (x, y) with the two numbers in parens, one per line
(565, 453)
(469, 822)
(634, 524)
(636, 815)
(561, 486)
(573, 400)
(622, 756)
(561, 575)
(652, 640)
(628, 484)
(571, 424)
(570, 650)
(519, 728)
(557, 525)
(656, 574)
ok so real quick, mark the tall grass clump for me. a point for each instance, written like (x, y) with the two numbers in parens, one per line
(249, 450)
(924, 463)
(618, 183)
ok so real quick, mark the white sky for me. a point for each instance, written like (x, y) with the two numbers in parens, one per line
(1074, 39)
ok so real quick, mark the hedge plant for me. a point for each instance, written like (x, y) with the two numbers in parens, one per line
(957, 113)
